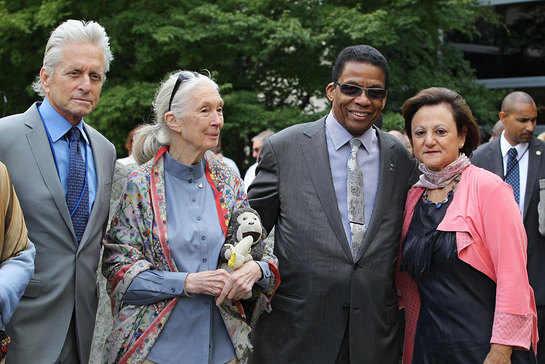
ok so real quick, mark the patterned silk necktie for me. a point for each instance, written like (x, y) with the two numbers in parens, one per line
(356, 212)
(77, 196)
(512, 176)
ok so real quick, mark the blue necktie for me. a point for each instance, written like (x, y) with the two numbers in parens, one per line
(512, 176)
(77, 196)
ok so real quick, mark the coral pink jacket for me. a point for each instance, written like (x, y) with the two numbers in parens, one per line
(490, 237)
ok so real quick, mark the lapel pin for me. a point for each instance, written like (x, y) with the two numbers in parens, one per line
(391, 167)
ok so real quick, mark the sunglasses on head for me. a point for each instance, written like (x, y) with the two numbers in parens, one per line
(184, 75)
(355, 91)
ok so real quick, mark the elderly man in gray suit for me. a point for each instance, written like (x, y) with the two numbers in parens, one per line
(335, 190)
(62, 171)
(518, 157)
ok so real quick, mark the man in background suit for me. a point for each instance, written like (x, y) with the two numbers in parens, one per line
(519, 115)
(337, 302)
(45, 150)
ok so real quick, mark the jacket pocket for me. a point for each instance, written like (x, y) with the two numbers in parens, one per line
(33, 289)
(391, 314)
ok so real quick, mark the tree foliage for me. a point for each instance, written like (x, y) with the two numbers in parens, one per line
(272, 58)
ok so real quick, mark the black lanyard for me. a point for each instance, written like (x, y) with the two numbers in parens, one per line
(516, 164)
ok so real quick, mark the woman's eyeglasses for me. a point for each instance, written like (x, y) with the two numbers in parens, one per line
(181, 78)
(355, 91)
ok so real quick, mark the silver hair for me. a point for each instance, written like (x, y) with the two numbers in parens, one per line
(73, 31)
(149, 138)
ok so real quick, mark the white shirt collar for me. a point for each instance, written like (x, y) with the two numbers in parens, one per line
(505, 146)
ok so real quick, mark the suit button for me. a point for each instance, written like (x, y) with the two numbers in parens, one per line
(356, 266)
(346, 306)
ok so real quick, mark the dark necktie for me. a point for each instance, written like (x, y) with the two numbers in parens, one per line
(356, 210)
(77, 196)
(512, 176)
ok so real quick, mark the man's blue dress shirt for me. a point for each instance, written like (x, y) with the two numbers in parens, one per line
(338, 149)
(57, 127)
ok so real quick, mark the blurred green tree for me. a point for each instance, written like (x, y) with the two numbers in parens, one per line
(272, 58)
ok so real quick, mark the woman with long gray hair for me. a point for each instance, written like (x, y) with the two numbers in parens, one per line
(171, 302)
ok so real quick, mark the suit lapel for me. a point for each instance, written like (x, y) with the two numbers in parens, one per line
(535, 159)
(495, 157)
(387, 181)
(41, 150)
(314, 150)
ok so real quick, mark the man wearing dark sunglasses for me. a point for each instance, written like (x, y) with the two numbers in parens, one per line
(335, 190)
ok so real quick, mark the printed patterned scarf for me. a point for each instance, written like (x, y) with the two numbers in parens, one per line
(439, 179)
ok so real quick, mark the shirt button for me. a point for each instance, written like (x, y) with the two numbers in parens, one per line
(190, 169)
(203, 237)
(194, 199)
(204, 260)
(206, 303)
(190, 180)
(198, 218)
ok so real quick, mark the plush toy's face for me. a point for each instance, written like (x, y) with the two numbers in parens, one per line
(248, 225)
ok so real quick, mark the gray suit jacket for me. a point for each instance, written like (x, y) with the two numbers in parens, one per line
(64, 281)
(489, 156)
(323, 290)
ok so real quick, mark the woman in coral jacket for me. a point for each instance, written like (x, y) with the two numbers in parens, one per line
(462, 267)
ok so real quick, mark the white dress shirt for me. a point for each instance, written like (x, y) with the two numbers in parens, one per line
(522, 150)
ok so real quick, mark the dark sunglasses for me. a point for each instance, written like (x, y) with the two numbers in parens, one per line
(355, 91)
(184, 75)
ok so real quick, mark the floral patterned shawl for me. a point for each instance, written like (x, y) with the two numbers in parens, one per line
(138, 241)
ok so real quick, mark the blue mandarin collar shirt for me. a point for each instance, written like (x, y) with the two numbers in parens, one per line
(57, 127)
(338, 148)
(195, 332)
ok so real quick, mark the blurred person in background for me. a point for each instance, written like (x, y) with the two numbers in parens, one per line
(257, 144)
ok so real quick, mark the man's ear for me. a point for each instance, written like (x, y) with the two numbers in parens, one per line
(45, 79)
(329, 89)
(503, 115)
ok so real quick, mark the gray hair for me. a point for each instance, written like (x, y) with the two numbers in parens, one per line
(263, 135)
(149, 138)
(73, 31)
